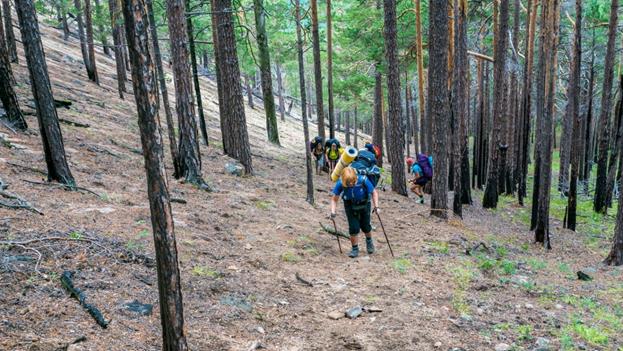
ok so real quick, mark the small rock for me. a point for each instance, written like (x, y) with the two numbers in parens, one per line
(542, 344)
(584, 277)
(144, 309)
(260, 330)
(520, 279)
(354, 312)
(581, 346)
(284, 303)
(335, 315)
(502, 347)
(373, 309)
(559, 306)
(438, 344)
(248, 247)
(234, 169)
(480, 311)
(529, 306)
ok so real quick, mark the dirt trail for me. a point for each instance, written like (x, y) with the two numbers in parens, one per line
(241, 247)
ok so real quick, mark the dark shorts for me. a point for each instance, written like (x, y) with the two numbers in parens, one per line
(422, 181)
(318, 156)
(358, 217)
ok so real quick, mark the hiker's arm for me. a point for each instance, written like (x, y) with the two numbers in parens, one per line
(375, 199)
(334, 200)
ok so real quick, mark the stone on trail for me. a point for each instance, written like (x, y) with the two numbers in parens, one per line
(584, 277)
(354, 312)
(438, 344)
(502, 347)
(335, 315)
(542, 344)
(144, 309)
(234, 169)
(373, 309)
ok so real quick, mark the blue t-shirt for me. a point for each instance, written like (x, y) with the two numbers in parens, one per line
(417, 170)
(358, 193)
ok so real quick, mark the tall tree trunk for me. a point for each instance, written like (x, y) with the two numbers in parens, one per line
(51, 136)
(617, 134)
(100, 28)
(189, 155)
(396, 131)
(498, 144)
(615, 257)
(408, 130)
(347, 127)
(82, 36)
(266, 74)
(426, 132)
(117, 41)
(193, 66)
(330, 71)
(603, 128)
(8, 32)
(377, 128)
(514, 126)
(62, 12)
(308, 163)
(9, 78)
(415, 121)
(478, 121)
(282, 104)
(526, 99)
(317, 69)
(248, 87)
(223, 113)
(146, 96)
(437, 104)
(355, 134)
(589, 131)
(574, 109)
(7, 93)
(92, 69)
(232, 89)
(177, 171)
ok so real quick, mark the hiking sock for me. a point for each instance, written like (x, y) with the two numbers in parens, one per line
(369, 245)
(354, 252)
(421, 199)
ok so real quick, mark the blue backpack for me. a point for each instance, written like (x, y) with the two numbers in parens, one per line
(365, 165)
(358, 194)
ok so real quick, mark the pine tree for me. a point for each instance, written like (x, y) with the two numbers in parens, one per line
(317, 68)
(117, 38)
(193, 66)
(92, 68)
(331, 106)
(9, 34)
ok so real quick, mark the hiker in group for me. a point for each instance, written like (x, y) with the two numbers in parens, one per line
(375, 149)
(358, 194)
(333, 153)
(317, 149)
(422, 170)
(410, 162)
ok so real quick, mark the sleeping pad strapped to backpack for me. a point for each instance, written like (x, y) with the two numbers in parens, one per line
(365, 164)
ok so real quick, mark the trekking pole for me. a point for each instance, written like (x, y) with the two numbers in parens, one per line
(339, 244)
(384, 233)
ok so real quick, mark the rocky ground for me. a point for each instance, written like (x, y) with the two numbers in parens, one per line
(476, 284)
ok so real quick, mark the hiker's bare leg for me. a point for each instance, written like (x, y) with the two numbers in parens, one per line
(354, 239)
(368, 235)
(418, 190)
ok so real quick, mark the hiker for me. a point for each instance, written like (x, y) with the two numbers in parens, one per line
(422, 170)
(410, 162)
(357, 192)
(375, 149)
(333, 153)
(317, 149)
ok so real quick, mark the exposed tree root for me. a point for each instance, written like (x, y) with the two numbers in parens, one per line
(333, 232)
(63, 186)
(17, 203)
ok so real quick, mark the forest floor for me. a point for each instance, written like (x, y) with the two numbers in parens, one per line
(476, 284)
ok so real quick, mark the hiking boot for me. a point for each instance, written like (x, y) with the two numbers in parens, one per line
(354, 252)
(420, 200)
(370, 245)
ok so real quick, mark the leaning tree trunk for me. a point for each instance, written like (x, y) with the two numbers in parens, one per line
(317, 69)
(92, 69)
(189, 155)
(7, 93)
(282, 104)
(232, 89)
(266, 75)
(308, 163)
(396, 150)
(8, 32)
(51, 136)
(117, 41)
(330, 71)
(146, 96)
(82, 36)
(223, 113)
(573, 109)
(498, 143)
(177, 171)
(193, 65)
(377, 127)
(603, 129)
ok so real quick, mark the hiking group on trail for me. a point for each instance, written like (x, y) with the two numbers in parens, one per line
(356, 177)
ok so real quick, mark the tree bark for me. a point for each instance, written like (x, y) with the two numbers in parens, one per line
(498, 144)
(617, 134)
(317, 69)
(282, 105)
(330, 71)
(8, 32)
(100, 28)
(236, 132)
(83, 40)
(589, 131)
(408, 129)
(437, 104)
(223, 113)
(51, 136)
(603, 128)
(396, 131)
(377, 128)
(197, 86)
(426, 132)
(573, 109)
(266, 75)
(177, 171)
(347, 127)
(146, 96)
(7, 93)
(356, 133)
(117, 41)
(189, 155)
(308, 163)
(92, 69)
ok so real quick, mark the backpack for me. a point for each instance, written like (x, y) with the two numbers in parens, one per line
(330, 142)
(426, 163)
(357, 191)
(365, 164)
(314, 143)
(376, 149)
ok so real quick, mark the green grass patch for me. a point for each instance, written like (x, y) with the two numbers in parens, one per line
(401, 265)
(525, 331)
(264, 205)
(441, 247)
(508, 267)
(290, 257)
(537, 265)
(592, 335)
(203, 271)
(75, 235)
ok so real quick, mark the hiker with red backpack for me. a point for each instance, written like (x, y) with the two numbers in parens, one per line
(422, 170)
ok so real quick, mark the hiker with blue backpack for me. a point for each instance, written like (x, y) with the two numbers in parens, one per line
(422, 170)
(360, 198)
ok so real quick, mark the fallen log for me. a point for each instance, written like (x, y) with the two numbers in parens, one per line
(18, 204)
(303, 280)
(131, 149)
(68, 284)
(62, 103)
(333, 232)
(74, 123)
